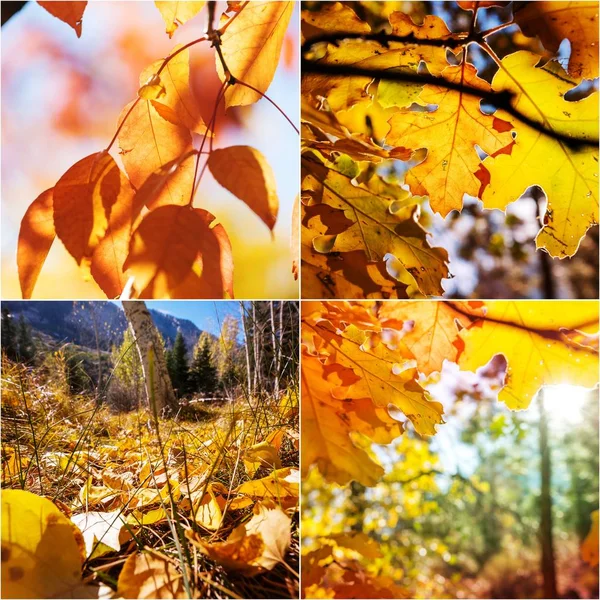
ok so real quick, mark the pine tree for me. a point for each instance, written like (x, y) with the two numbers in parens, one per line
(26, 349)
(203, 373)
(177, 364)
(9, 335)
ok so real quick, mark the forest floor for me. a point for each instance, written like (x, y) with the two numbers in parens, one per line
(212, 494)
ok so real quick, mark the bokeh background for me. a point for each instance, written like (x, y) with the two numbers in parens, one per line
(61, 97)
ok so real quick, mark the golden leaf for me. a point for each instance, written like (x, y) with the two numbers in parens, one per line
(178, 13)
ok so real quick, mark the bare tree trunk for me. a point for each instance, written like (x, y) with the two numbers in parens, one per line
(546, 536)
(98, 353)
(246, 347)
(276, 347)
(255, 348)
(156, 376)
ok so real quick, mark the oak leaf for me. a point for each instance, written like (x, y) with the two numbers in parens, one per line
(178, 13)
(245, 172)
(251, 46)
(450, 133)
(528, 335)
(569, 177)
(69, 12)
(36, 237)
(554, 22)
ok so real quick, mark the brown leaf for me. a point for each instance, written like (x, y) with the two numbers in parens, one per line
(150, 575)
(245, 172)
(251, 46)
(83, 200)
(171, 244)
(35, 240)
(69, 12)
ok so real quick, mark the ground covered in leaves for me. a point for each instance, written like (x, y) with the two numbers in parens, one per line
(103, 504)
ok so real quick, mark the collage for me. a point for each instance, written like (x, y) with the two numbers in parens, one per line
(299, 299)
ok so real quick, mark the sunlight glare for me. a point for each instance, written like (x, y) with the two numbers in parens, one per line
(565, 402)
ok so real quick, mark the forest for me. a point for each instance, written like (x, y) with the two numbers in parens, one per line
(450, 450)
(172, 471)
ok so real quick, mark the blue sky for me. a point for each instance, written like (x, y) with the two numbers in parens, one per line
(207, 315)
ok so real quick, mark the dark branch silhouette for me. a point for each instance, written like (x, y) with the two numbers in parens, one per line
(502, 100)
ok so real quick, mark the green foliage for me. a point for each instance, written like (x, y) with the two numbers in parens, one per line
(203, 371)
(25, 341)
(9, 335)
(177, 364)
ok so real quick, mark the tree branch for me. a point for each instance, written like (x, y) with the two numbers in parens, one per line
(502, 100)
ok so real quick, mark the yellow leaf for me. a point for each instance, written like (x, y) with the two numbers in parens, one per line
(359, 219)
(139, 518)
(280, 487)
(528, 335)
(173, 243)
(209, 512)
(568, 177)
(35, 240)
(450, 133)
(245, 172)
(69, 12)
(273, 525)
(150, 575)
(262, 454)
(177, 13)
(333, 16)
(294, 238)
(251, 46)
(33, 528)
(554, 22)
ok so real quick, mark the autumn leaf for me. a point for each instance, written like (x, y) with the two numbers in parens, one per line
(328, 421)
(333, 16)
(150, 574)
(280, 487)
(32, 529)
(373, 224)
(208, 511)
(148, 142)
(554, 22)
(251, 46)
(529, 337)
(83, 199)
(294, 238)
(69, 12)
(589, 547)
(451, 134)
(170, 92)
(36, 237)
(245, 172)
(569, 177)
(178, 13)
(173, 243)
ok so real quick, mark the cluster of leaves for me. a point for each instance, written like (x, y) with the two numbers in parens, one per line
(209, 512)
(137, 231)
(396, 111)
(366, 367)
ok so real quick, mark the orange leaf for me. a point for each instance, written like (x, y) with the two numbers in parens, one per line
(35, 240)
(245, 172)
(251, 46)
(174, 100)
(83, 199)
(69, 12)
(148, 142)
(171, 244)
(177, 13)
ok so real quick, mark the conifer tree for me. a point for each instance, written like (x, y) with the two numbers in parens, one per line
(203, 373)
(26, 349)
(9, 335)
(177, 364)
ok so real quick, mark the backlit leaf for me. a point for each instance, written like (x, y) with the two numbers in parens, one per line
(177, 13)
(245, 172)
(251, 46)
(69, 12)
(150, 575)
(35, 240)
